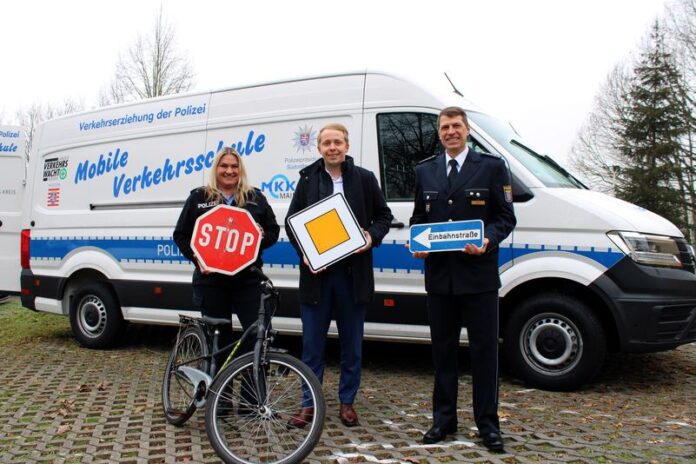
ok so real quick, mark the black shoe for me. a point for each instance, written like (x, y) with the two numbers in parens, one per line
(493, 441)
(437, 434)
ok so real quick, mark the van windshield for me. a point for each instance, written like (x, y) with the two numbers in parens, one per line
(550, 173)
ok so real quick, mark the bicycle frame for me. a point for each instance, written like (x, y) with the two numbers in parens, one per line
(200, 380)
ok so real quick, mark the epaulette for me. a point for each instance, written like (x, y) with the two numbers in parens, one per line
(492, 155)
(426, 159)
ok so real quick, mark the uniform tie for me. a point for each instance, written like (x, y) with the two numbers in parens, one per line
(452, 176)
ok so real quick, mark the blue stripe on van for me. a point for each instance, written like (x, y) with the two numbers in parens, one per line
(390, 256)
(607, 257)
(160, 249)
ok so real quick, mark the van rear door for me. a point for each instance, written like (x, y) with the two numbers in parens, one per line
(12, 182)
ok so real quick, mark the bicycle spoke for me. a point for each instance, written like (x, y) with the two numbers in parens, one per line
(261, 433)
(177, 389)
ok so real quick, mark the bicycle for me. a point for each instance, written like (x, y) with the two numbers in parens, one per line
(249, 403)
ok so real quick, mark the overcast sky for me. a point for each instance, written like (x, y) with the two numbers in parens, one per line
(535, 63)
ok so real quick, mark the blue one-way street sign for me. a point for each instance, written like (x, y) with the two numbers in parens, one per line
(446, 236)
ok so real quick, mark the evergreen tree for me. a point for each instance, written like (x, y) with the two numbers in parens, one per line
(650, 134)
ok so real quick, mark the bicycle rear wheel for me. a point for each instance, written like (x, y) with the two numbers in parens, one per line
(177, 390)
(255, 433)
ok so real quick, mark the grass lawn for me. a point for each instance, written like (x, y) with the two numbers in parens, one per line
(19, 325)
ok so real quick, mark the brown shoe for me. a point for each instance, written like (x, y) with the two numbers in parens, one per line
(348, 415)
(302, 418)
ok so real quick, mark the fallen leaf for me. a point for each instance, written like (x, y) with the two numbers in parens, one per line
(103, 385)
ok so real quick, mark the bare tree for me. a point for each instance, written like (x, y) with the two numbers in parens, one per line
(681, 30)
(600, 152)
(594, 152)
(35, 114)
(151, 67)
(680, 26)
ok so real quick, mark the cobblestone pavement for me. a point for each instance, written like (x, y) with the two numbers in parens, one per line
(63, 403)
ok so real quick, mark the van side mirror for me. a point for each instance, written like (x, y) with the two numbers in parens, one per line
(520, 192)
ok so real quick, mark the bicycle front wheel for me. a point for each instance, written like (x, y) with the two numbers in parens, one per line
(244, 428)
(177, 390)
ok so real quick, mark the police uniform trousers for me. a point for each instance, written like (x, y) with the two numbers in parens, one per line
(478, 312)
(336, 293)
(240, 298)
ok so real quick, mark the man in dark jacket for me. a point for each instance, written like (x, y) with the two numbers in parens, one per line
(347, 285)
(462, 285)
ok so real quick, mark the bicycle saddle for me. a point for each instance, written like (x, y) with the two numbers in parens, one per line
(215, 321)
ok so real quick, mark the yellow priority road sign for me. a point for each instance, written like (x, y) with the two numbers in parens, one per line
(327, 231)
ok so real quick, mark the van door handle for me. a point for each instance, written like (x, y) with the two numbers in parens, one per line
(396, 225)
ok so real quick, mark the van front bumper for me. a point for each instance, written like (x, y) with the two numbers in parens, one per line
(654, 308)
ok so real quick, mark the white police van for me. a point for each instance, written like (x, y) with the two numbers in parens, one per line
(12, 186)
(581, 274)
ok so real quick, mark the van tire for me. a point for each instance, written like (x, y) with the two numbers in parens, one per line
(554, 342)
(95, 316)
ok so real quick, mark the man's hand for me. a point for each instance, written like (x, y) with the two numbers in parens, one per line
(306, 263)
(418, 254)
(472, 249)
(368, 244)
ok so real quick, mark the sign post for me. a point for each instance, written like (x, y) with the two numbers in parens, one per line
(446, 236)
(226, 240)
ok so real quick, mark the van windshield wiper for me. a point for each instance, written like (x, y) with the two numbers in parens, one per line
(548, 160)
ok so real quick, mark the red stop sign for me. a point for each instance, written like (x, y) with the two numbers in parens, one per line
(226, 240)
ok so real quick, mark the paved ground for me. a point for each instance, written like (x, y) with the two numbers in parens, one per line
(63, 403)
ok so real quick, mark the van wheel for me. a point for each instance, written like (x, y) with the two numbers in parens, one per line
(554, 342)
(95, 316)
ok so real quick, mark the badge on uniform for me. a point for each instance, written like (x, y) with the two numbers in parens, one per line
(508, 193)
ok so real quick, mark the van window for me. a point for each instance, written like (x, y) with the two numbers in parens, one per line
(550, 173)
(404, 140)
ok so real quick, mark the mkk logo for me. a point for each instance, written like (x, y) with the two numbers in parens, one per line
(279, 187)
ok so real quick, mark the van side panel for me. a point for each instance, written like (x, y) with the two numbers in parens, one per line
(12, 180)
(113, 207)
(277, 127)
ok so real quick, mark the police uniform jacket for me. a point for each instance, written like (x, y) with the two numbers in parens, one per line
(197, 204)
(481, 191)
(370, 209)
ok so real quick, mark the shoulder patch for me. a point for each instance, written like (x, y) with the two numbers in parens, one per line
(426, 159)
(507, 190)
(492, 155)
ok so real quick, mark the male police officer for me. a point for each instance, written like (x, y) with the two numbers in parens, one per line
(462, 286)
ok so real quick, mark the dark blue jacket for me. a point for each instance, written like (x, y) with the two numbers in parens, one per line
(478, 193)
(370, 209)
(196, 205)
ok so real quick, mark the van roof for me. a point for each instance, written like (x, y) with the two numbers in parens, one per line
(366, 72)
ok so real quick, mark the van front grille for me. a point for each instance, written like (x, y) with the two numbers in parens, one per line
(676, 322)
(685, 255)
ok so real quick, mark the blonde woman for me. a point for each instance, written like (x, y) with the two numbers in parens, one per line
(215, 294)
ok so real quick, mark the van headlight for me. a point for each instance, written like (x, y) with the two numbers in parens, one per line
(652, 250)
